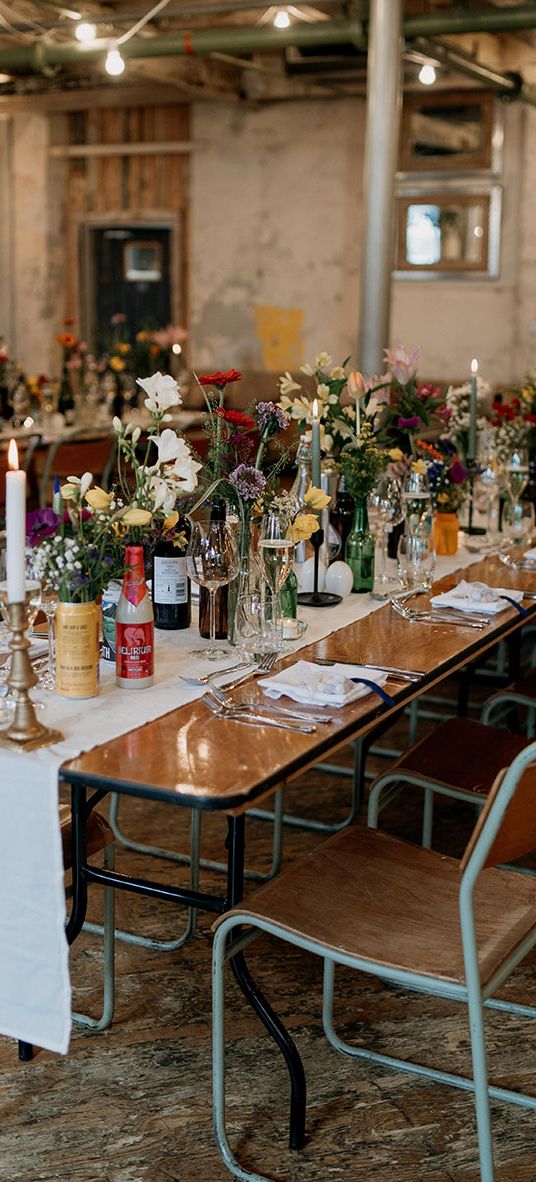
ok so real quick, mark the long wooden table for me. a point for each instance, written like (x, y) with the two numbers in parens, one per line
(192, 759)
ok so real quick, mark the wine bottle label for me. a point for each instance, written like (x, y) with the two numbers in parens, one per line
(134, 650)
(170, 583)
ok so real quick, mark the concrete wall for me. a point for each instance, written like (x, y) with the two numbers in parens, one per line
(275, 234)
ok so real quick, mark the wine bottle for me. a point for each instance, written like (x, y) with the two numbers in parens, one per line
(134, 626)
(66, 400)
(221, 607)
(172, 604)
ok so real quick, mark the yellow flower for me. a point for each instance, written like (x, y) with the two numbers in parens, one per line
(143, 335)
(443, 497)
(180, 541)
(135, 516)
(171, 520)
(70, 492)
(302, 527)
(117, 364)
(124, 347)
(420, 466)
(395, 454)
(98, 498)
(120, 529)
(316, 499)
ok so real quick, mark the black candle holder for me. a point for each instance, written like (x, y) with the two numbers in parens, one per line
(472, 530)
(316, 598)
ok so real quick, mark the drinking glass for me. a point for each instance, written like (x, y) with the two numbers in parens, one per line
(385, 510)
(212, 562)
(517, 473)
(518, 522)
(257, 632)
(48, 605)
(417, 501)
(416, 561)
(486, 495)
(276, 553)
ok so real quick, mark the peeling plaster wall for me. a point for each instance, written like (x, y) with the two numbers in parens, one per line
(275, 219)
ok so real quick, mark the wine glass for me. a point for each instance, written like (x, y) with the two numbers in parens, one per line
(517, 473)
(276, 553)
(416, 500)
(212, 562)
(486, 495)
(386, 509)
(48, 604)
(518, 522)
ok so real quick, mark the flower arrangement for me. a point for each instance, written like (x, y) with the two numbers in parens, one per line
(302, 517)
(76, 552)
(341, 399)
(151, 484)
(362, 463)
(447, 476)
(457, 413)
(512, 426)
(129, 355)
(405, 406)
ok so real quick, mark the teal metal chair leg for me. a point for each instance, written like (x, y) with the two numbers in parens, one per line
(312, 826)
(104, 1021)
(153, 851)
(427, 819)
(191, 924)
(218, 1061)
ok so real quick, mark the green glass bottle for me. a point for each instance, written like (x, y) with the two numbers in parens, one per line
(288, 597)
(360, 549)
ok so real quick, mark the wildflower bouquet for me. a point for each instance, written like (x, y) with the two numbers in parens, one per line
(302, 517)
(513, 427)
(362, 463)
(76, 551)
(406, 405)
(447, 477)
(342, 401)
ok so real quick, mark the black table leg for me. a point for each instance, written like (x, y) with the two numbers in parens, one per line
(79, 907)
(25, 1051)
(235, 888)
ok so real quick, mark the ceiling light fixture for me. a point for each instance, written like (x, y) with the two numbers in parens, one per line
(282, 19)
(427, 74)
(115, 63)
(85, 32)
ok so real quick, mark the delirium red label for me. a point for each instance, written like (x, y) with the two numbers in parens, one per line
(135, 650)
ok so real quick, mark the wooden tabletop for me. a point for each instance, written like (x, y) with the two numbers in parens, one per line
(196, 759)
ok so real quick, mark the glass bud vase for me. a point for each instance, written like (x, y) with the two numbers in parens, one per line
(360, 549)
(288, 597)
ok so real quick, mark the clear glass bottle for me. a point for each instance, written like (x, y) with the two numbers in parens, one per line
(134, 626)
(299, 487)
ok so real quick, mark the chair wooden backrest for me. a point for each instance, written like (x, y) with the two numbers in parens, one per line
(507, 823)
(72, 456)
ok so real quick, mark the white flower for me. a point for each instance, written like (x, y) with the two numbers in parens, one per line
(162, 392)
(185, 470)
(73, 480)
(307, 369)
(322, 391)
(162, 494)
(287, 383)
(85, 483)
(332, 399)
(169, 446)
(323, 360)
(337, 373)
(117, 425)
(136, 434)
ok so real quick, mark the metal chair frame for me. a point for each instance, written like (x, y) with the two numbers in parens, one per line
(471, 992)
(108, 932)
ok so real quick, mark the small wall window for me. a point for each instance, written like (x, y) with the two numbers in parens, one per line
(446, 232)
(143, 262)
(447, 132)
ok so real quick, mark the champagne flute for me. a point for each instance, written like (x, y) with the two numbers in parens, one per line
(212, 562)
(517, 473)
(385, 509)
(417, 500)
(276, 553)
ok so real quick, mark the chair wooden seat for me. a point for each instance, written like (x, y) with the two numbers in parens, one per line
(369, 895)
(524, 685)
(461, 753)
(99, 834)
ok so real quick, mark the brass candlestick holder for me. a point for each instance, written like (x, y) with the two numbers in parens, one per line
(25, 732)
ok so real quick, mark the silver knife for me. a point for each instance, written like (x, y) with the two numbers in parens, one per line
(403, 674)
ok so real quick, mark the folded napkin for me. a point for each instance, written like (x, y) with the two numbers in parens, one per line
(318, 685)
(477, 597)
(530, 555)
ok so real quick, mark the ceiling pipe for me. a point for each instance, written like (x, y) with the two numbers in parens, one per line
(509, 86)
(46, 54)
(465, 20)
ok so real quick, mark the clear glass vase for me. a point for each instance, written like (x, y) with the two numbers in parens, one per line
(360, 549)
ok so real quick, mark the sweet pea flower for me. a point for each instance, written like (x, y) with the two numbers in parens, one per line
(169, 446)
(162, 392)
(316, 498)
(409, 424)
(303, 526)
(98, 498)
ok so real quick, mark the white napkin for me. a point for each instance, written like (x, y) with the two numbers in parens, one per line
(530, 555)
(319, 685)
(471, 597)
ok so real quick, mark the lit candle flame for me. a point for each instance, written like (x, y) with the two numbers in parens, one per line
(474, 365)
(13, 456)
(315, 409)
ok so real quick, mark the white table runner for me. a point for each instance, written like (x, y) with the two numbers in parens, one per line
(35, 1000)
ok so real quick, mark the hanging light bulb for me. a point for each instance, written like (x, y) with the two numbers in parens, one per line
(427, 74)
(85, 32)
(114, 64)
(282, 19)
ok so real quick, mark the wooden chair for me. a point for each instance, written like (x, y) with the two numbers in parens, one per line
(521, 693)
(72, 456)
(408, 916)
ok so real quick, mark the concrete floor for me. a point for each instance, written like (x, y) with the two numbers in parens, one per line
(134, 1104)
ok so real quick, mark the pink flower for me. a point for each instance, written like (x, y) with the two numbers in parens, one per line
(403, 365)
(174, 334)
(118, 318)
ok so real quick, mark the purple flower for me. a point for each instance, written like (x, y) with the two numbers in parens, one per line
(409, 424)
(457, 474)
(271, 418)
(248, 482)
(41, 523)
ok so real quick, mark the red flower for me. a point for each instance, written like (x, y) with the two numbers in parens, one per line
(219, 379)
(237, 418)
(530, 417)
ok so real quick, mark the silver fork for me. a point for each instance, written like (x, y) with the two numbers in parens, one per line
(527, 564)
(251, 718)
(223, 698)
(464, 620)
(206, 678)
